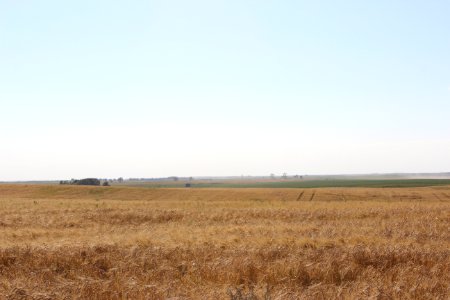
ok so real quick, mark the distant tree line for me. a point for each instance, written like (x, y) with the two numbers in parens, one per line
(85, 181)
(285, 176)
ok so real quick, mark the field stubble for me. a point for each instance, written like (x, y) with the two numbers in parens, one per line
(136, 243)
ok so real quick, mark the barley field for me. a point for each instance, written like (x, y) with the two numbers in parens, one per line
(73, 242)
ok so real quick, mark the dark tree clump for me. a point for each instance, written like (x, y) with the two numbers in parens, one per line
(87, 181)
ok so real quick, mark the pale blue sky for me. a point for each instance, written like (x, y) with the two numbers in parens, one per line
(159, 88)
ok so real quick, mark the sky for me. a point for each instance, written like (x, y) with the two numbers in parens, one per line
(195, 88)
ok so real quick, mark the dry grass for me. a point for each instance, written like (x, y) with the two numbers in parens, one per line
(134, 243)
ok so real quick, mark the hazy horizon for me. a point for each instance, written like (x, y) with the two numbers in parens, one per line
(164, 88)
(359, 176)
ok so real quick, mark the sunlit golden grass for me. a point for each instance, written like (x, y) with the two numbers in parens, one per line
(70, 242)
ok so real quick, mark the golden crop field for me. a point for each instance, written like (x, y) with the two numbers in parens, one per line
(72, 242)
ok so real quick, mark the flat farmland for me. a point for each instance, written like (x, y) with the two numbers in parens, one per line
(291, 183)
(73, 242)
